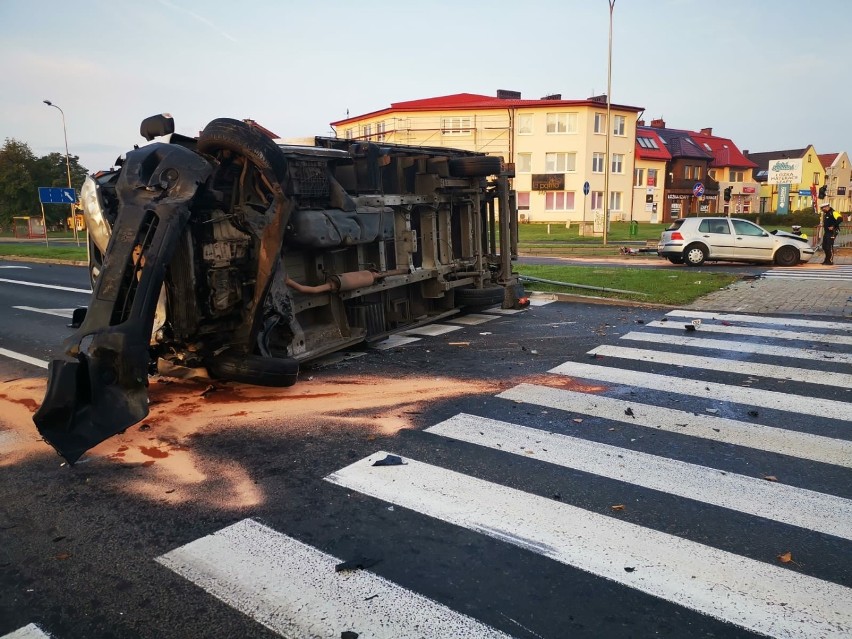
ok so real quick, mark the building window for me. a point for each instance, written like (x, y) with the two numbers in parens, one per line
(600, 122)
(597, 200)
(559, 201)
(368, 130)
(618, 122)
(455, 126)
(652, 177)
(614, 201)
(816, 179)
(617, 163)
(691, 172)
(560, 162)
(348, 134)
(697, 172)
(735, 176)
(523, 200)
(524, 164)
(638, 177)
(561, 122)
(525, 124)
(647, 143)
(597, 162)
(380, 131)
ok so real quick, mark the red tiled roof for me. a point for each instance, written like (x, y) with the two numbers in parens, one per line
(458, 101)
(723, 150)
(827, 159)
(660, 153)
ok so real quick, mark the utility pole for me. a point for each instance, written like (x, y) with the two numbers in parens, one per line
(607, 159)
(68, 170)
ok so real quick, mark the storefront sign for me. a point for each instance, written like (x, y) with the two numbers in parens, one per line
(548, 182)
(677, 196)
(748, 189)
(783, 199)
(785, 171)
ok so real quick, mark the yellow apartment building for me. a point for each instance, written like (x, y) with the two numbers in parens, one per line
(786, 178)
(556, 145)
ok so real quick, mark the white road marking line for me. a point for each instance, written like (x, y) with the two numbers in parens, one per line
(753, 331)
(23, 358)
(838, 277)
(710, 391)
(740, 347)
(30, 631)
(539, 301)
(806, 375)
(293, 589)
(472, 319)
(432, 330)
(808, 509)
(504, 311)
(393, 341)
(10, 266)
(826, 450)
(50, 286)
(752, 594)
(760, 319)
(59, 312)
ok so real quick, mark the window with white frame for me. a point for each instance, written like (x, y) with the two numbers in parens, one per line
(368, 130)
(455, 126)
(614, 201)
(561, 122)
(559, 201)
(380, 131)
(525, 124)
(524, 163)
(523, 200)
(597, 200)
(600, 122)
(617, 163)
(560, 162)
(348, 134)
(638, 177)
(618, 122)
(652, 177)
(597, 162)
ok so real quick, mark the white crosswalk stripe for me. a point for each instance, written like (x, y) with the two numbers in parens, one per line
(815, 272)
(30, 631)
(244, 563)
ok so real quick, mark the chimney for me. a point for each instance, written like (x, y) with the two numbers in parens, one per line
(505, 94)
(707, 131)
(745, 152)
(640, 123)
(598, 98)
(553, 96)
(658, 123)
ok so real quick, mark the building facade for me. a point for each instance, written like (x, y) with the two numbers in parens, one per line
(556, 145)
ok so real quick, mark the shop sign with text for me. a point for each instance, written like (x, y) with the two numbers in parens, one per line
(548, 182)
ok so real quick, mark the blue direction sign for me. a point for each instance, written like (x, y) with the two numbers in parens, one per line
(585, 188)
(56, 195)
(698, 189)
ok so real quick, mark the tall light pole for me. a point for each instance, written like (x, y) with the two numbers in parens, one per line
(607, 159)
(68, 168)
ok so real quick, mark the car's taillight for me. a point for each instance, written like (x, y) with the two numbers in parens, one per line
(677, 236)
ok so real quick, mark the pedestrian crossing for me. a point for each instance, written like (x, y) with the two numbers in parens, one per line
(837, 272)
(735, 425)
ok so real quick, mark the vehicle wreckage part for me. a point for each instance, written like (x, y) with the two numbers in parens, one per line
(93, 211)
(99, 386)
(475, 166)
(254, 369)
(480, 297)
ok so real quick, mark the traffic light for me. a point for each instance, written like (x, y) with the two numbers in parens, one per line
(728, 193)
(822, 192)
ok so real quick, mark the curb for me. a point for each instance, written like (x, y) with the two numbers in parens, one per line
(43, 260)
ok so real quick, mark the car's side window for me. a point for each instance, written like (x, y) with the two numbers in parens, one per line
(714, 226)
(741, 227)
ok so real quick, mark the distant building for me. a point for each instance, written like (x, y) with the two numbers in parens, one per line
(556, 145)
(786, 177)
(838, 180)
(732, 170)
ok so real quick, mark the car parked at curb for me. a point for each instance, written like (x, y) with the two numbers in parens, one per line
(695, 240)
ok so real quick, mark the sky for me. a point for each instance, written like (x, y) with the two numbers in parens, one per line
(768, 74)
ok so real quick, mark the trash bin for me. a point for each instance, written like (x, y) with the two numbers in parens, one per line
(634, 228)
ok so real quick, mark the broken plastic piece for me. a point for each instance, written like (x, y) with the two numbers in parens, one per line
(390, 460)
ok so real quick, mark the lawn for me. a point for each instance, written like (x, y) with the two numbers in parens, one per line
(674, 286)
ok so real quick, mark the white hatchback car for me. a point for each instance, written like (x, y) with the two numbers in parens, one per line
(695, 240)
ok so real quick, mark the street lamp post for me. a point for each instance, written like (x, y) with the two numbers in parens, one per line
(607, 159)
(68, 170)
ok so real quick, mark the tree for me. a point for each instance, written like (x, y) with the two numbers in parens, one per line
(21, 173)
(18, 193)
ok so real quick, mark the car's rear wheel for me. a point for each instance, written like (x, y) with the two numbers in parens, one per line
(226, 134)
(675, 259)
(479, 297)
(695, 255)
(786, 256)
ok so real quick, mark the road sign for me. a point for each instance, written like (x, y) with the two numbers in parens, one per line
(698, 189)
(56, 195)
(585, 188)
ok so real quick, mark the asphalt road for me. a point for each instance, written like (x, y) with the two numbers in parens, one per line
(569, 470)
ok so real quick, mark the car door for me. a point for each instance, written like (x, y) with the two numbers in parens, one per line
(753, 244)
(716, 233)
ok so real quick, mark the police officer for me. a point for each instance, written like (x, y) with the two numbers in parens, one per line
(830, 229)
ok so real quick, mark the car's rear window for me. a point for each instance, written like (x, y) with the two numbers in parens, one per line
(676, 224)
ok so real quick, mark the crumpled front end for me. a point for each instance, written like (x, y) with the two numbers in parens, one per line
(99, 387)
